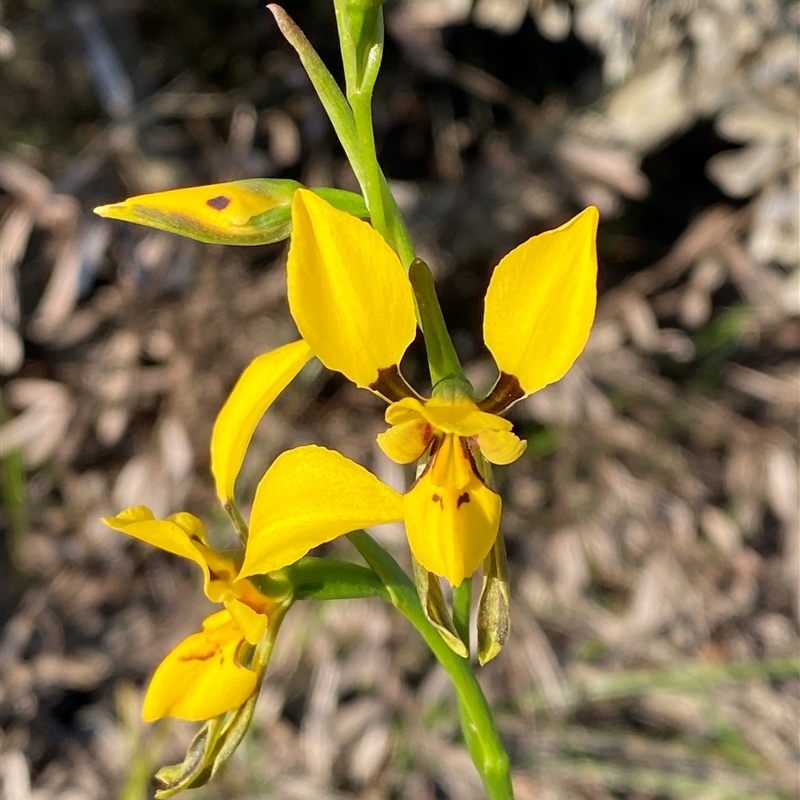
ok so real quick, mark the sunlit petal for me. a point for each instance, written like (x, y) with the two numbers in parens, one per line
(408, 409)
(191, 525)
(263, 380)
(311, 495)
(500, 447)
(252, 624)
(405, 442)
(452, 518)
(348, 293)
(461, 417)
(202, 677)
(177, 535)
(541, 301)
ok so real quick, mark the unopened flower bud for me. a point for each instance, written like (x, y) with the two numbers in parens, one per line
(256, 211)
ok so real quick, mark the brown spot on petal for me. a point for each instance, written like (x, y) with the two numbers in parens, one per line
(437, 498)
(219, 203)
(462, 498)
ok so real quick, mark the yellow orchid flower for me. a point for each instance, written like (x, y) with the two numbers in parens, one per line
(308, 496)
(354, 307)
(184, 535)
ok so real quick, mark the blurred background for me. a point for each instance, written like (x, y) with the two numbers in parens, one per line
(652, 526)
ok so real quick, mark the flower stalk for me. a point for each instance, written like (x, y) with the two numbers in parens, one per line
(477, 722)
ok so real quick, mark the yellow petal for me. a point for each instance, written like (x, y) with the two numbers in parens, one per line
(541, 301)
(190, 525)
(348, 293)
(252, 624)
(461, 417)
(406, 442)
(409, 409)
(451, 516)
(177, 535)
(222, 569)
(263, 380)
(202, 677)
(500, 447)
(254, 211)
(311, 495)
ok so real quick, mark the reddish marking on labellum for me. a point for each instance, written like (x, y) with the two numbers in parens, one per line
(464, 498)
(197, 657)
(437, 499)
(219, 203)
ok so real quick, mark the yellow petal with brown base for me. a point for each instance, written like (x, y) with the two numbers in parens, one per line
(541, 301)
(348, 292)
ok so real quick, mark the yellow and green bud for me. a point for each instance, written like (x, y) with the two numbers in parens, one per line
(248, 212)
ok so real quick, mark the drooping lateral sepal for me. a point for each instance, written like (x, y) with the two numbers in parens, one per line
(494, 619)
(435, 607)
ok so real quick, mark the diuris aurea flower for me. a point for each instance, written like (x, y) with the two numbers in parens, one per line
(204, 676)
(354, 307)
(216, 670)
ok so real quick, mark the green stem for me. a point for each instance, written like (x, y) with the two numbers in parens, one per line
(400, 235)
(462, 606)
(329, 93)
(442, 356)
(388, 221)
(239, 525)
(352, 121)
(371, 183)
(480, 734)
